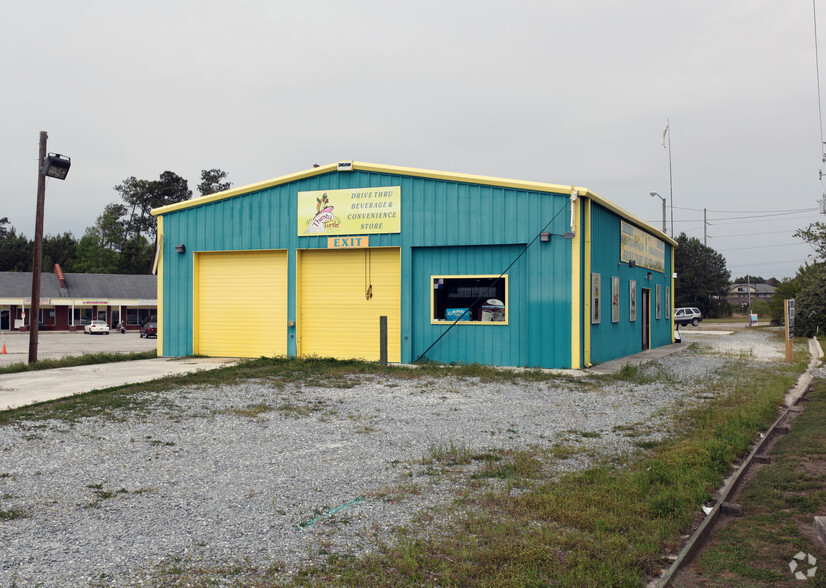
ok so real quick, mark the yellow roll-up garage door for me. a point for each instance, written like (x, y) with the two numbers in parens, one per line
(241, 303)
(342, 294)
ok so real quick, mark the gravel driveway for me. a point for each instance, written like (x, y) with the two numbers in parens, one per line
(252, 472)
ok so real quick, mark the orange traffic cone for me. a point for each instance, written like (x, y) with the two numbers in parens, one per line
(4, 348)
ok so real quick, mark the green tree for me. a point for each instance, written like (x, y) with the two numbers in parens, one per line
(99, 250)
(787, 289)
(810, 302)
(59, 249)
(815, 235)
(16, 251)
(212, 181)
(702, 277)
(141, 196)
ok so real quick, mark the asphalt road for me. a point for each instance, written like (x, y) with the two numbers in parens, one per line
(57, 345)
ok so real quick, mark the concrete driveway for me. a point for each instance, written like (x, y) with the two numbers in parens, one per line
(29, 387)
(24, 388)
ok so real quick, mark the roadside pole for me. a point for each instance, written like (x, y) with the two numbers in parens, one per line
(789, 311)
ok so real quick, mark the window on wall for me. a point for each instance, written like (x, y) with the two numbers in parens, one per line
(474, 299)
(658, 303)
(596, 299)
(615, 294)
(82, 316)
(138, 316)
(632, 300)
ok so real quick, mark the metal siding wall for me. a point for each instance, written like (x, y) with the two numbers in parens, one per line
(435, 213)
(612, 340)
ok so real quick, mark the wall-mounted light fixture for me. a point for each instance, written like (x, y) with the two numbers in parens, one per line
(181, 248)
(648, 277)
(632, 263)
(545, 236)
(56, 166)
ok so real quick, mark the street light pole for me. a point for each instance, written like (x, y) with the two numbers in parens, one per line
(53, 165)
(663, 199)
(34, 316)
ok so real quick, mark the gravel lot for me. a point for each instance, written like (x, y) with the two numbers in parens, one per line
(207, 479)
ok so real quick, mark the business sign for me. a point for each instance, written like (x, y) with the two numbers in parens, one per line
(644, 249)
(357, 211)
(95, 301)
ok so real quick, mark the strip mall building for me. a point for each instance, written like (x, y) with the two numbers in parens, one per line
(465, 268)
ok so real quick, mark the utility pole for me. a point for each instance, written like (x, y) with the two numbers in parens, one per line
(34, 317)
(705, 228)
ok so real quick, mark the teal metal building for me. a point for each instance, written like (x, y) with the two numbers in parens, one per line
(465, 268)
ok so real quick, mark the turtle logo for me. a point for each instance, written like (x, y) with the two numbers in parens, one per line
(323, 217)
(799, 561)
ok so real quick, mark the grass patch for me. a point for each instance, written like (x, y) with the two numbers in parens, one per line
(779, 504)
(607, 526)
(11, 514)
(76, 360)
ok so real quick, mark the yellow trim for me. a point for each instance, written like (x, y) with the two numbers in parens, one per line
(196, 301)
(485, 323)
(576, 292)
(158, 270)
(422, 173)
(671, 309)
(298, 297)
(586, 233)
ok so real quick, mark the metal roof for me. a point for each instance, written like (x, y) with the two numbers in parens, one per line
(409, 171)
(19, 285)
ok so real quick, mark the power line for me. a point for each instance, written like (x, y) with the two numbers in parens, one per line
(784, 210)
(761, 246)
(760, 234)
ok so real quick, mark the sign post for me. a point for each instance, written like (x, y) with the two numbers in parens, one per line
(789, 311)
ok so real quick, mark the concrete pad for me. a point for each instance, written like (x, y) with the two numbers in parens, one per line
(615, 365)
(24, 388)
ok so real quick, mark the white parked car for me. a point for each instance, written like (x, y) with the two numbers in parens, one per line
(688, 316)
(96, 327)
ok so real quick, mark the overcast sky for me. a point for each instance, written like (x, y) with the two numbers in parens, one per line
(566, 92)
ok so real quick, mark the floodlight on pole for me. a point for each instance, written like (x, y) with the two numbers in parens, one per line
(57, 166)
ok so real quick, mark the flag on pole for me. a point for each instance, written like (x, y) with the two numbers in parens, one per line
(665, 132)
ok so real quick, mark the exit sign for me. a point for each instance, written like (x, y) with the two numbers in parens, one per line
(347, 242)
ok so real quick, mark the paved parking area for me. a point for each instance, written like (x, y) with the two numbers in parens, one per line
(57, 345)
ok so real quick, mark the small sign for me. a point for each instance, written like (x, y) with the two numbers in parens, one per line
(345, 166)
(95, 301)
(347, 242)
(43, 301)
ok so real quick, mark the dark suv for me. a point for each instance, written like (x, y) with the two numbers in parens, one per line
(149, 329)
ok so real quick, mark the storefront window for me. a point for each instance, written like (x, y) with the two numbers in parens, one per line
(137, 316)
(474, 299)
(83, 316)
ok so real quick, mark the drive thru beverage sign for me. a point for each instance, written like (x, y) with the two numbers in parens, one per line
(356, 211)
(789, 308)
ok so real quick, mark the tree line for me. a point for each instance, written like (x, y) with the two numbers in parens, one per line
(122, 239)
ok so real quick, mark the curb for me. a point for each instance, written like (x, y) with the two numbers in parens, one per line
(696, 541)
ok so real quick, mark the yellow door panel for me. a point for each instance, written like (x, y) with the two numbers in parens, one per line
(241, 308)
(337, 318)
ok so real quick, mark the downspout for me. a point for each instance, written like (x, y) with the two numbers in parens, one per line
(576, 283)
